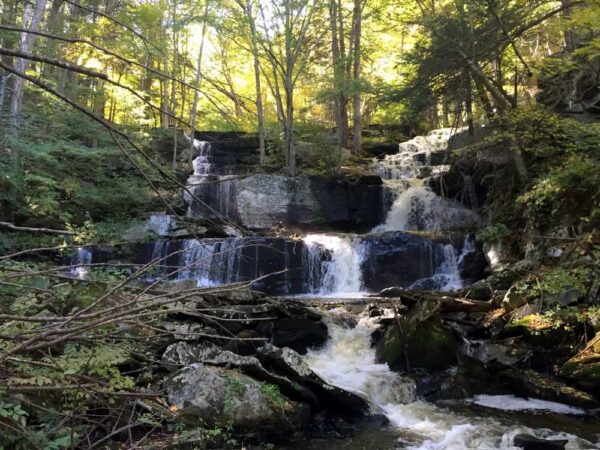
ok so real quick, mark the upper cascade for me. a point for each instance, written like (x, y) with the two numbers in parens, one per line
(412, 205)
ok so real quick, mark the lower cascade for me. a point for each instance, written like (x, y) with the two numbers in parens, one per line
(348, 361)
(318, 264)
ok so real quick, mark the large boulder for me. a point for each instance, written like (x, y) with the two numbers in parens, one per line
(218, 396)
(426, 345)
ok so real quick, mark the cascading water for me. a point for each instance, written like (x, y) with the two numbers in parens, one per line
(420, 209)
(348, 361)
(341, 274)
(415, 206)
(82, 260)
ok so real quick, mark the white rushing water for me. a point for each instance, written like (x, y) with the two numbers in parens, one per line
(416, 206)
(341, 274)
(419, 208)
(82, 259)
(348, 361)
(159, 224)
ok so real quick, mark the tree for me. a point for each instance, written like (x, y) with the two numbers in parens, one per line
(287, 43)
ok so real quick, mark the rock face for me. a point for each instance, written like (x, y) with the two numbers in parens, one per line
(228, 398)
(264, 201)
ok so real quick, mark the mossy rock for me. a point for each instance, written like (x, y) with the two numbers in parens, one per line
(427, 345)
(546, 331)
(584, 369)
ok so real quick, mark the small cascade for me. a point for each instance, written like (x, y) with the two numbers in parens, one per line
(348, 361)
(341, 273)
(420, 209)
(202, 165)
(209, 183)
(159, 224)
(82, 260)
(209, 262)
(412, 205)
(446, 275)
(160, 252)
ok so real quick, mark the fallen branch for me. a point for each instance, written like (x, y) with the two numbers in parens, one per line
(12, 226)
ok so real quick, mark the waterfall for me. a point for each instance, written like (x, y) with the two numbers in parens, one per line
(209, 263)
(340, 274)
(446, 274)
(415, 206)
(159, 224)
(202, 165)
(348, 361)
(418, 208)
(82, 259)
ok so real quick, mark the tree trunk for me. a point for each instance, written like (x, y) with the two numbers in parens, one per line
(290, 150)
(256, 64)
(357, 119)
(569, 35)
(196, 90)
(339, 76)
(469, 103)
(31, 21)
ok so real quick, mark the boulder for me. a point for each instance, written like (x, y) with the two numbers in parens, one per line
(298, 333)
(426, 345)
(222, 397)
(290, 364)
(528, 442)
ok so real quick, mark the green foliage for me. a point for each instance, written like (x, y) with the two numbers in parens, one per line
(567, 191)
(273, 395)
(550, 286)
(493, 233)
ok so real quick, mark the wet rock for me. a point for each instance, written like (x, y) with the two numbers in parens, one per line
(472, 266)
(529, 383)
(502, 280)
(528, 442)
(297, 333)
(427, 345)
(290, 364)
(418, 256)
(513, 300)
(263, 201)
(219, 396)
